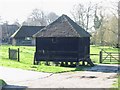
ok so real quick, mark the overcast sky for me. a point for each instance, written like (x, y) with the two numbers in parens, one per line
(11, 10)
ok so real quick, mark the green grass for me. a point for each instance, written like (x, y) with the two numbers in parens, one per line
(26, 60)
(27, 56)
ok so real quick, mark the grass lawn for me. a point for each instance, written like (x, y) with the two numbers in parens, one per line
(26, 60)
(27, 56)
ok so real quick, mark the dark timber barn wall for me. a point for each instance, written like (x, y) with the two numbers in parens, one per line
(64, 44)
(62, 41)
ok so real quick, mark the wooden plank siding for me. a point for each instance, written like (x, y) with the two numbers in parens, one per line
(64, 49)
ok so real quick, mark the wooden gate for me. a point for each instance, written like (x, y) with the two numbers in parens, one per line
(109, 56)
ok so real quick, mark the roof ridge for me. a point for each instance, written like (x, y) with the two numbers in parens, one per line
(15, 33)
(31, 26)
(71, 25)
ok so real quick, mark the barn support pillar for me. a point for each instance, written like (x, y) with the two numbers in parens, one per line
(71, 63)
(37, 62)
(83, 62)
(47, 63)
(66, 63)
(34, 61)
(90, 62)
(56, 63)
(62, 64)
(77, 64)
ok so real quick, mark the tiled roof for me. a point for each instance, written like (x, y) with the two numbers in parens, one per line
(26, 31)
(62, 27)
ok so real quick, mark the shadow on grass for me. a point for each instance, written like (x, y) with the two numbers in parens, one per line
(79, 68)
(106, 68)
(111, 62)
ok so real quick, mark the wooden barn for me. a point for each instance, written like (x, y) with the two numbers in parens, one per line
(63, 41)
(24, 35)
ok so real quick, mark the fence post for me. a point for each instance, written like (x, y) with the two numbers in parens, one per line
(110, 57)
(9, 52)
(100, 56)
(18, 55)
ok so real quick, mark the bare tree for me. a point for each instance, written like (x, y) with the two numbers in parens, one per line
(106, 26)
(16, 22)
(119, 23)
(37, 18)
(82, 15)
(28, 22)
(98, 16)
(0, 32)
(98, 24)
(1, 20)
(112, 28)
(51, 17)
(115, 10)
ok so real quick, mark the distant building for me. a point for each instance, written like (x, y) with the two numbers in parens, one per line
(7, 31)
(23, 36)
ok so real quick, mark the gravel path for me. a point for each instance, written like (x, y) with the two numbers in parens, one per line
(100, 76)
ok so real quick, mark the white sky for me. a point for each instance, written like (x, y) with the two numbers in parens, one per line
(10, 10)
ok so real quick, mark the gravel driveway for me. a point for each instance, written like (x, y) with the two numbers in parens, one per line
(100, 76)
